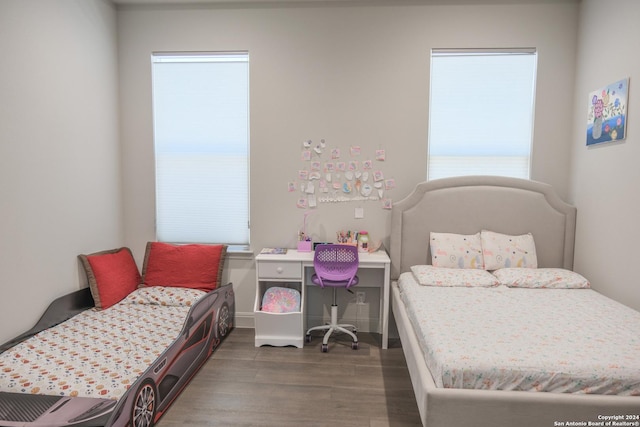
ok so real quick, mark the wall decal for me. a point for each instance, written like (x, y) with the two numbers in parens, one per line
(324, 178)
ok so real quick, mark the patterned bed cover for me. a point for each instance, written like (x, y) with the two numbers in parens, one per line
(99, 354)
(554, 340)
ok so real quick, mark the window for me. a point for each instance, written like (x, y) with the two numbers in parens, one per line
(201, 138)
(481, 112)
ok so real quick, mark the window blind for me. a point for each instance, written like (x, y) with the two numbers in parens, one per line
(201, 140)
(481, 112)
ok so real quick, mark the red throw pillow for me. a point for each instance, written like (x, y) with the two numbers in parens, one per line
(112, 275)
(187, 266)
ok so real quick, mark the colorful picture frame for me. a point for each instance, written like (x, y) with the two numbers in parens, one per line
(607, 113)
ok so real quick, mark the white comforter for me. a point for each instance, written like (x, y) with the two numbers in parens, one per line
(554, 340)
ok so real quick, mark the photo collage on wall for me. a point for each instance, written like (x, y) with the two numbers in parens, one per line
(330, 174)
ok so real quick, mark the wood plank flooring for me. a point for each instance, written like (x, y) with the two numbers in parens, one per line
(242, 385)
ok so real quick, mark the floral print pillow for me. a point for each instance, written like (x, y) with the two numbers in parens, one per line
(165, 296)
(428, 275)
(552, 278)
(506, 251)
(451, 250)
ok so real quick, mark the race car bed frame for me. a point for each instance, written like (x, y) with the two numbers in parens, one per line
(208, 322)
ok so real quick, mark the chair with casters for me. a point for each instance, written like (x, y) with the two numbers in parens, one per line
(335, 267)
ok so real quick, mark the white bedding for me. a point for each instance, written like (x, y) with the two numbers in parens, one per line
(99, 353)
(554, 340)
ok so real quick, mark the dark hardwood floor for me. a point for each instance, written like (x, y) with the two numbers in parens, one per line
(242, 385)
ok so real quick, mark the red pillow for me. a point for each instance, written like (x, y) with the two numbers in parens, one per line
(187, 266)
(112, 275)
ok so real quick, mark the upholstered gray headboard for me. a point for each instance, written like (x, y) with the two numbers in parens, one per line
(466, 205)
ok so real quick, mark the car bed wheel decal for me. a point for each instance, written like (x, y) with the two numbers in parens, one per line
(144, 406)
(223, 321)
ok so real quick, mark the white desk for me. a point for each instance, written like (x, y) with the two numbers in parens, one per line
(290, 267)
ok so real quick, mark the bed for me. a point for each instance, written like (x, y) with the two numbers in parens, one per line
(514, 207)
(119, 352)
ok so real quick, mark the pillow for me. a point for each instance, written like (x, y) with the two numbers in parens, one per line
(505, 251)
(456, 250)
(428, 275)
(164, 296)
(186, 266)
(281, 300)
(553, 278)
(112, 275)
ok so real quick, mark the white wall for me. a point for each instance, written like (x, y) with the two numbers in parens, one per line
(348, 74)
(355, 75)
(605, 178)
(60, 189)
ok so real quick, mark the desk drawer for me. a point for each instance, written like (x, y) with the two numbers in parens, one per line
(279, 270)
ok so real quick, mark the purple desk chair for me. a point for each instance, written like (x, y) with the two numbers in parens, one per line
(335, 267)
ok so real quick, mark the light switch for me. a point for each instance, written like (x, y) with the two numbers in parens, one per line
(359, 213)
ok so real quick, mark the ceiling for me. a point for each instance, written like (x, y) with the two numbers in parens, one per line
(246, 2)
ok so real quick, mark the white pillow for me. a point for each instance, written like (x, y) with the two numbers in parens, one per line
(428, 275)
(505, 251)
(552, 278)
(456, 250)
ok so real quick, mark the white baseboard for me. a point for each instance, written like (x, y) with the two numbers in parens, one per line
(245, 319)
(366, 324)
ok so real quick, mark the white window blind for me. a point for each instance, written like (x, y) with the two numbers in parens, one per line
(201, 138)
(481, 112)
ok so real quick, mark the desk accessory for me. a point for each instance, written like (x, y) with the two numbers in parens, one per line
(304, 241)
(274, 251)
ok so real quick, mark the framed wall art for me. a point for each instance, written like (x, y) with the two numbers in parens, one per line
(607, 113)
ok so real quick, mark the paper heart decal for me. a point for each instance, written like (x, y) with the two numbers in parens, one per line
(366, 190)
(378, 184)
(358, 174)
(365, 176)
(348, 175)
